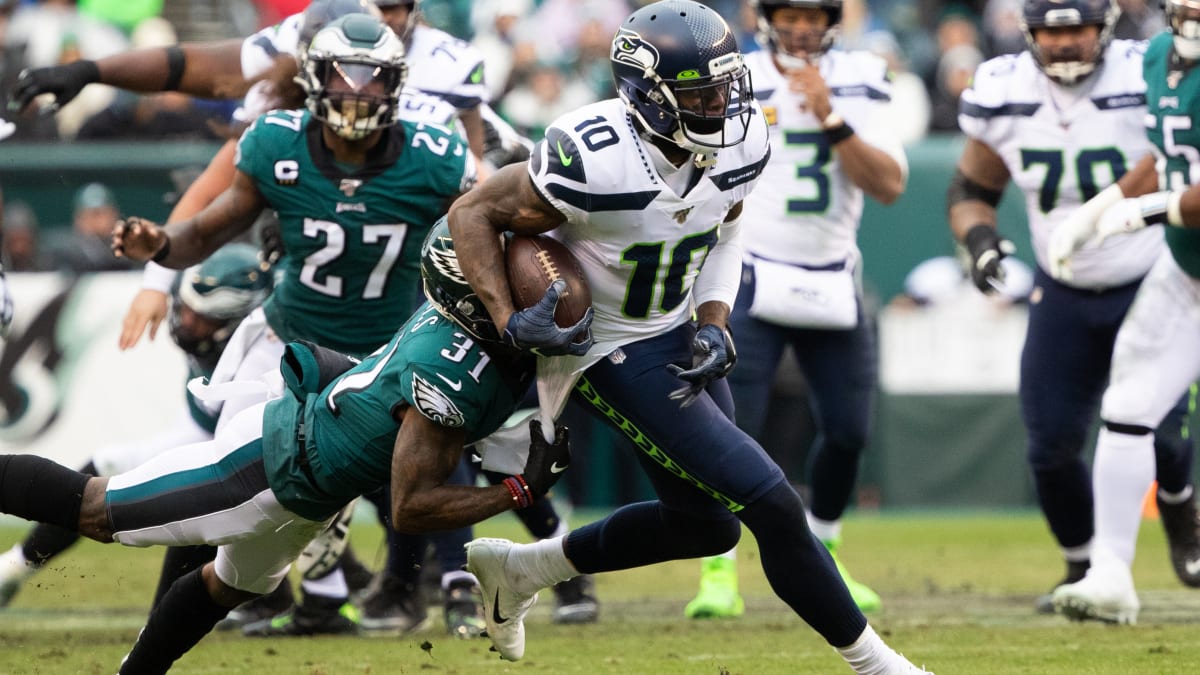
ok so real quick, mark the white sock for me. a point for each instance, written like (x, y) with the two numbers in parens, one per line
(1078, 553)
(1176, 497)
(825, 530)
(532, 567)
(457, 575)
(332, 585)
(869, 655)
(17, 555)
(1122, 473)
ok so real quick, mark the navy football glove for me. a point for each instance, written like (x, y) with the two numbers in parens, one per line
(534, 330)
(713, 356)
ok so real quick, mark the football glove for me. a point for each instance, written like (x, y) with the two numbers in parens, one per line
(6, 304)
(533, 329)
(1077, 230)
(547, 461)
(65, 82)
(987, 249)
(713, 356)
(1130, 215)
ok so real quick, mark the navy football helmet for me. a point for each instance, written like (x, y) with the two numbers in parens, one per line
(678, 69)
(811, 44)
(447, 289)
(1070, 65)
(222, 290)
(1183, 18)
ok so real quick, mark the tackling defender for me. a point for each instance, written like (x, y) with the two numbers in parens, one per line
(277, 474)
(1155, 357)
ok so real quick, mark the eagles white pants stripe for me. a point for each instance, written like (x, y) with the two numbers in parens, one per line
(1157, 353)
(213, 493)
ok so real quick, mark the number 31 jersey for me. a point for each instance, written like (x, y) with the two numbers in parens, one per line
(1061, 152)
(641, 245)
(351, 271)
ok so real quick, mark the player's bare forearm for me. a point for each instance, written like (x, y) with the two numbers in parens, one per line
(986, 169)
(505, 202)
(1142, 179)
(472, 121)
(206, 68)
(232, 213)
(877, 173)
(216, 178)
(713, 312)
(423, 458)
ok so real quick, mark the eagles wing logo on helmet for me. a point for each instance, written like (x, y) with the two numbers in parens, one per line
(629, 48)
(446, 263)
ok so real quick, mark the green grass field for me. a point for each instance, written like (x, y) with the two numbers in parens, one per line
(958, 591)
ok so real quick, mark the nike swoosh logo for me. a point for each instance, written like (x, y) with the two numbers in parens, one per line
(555, 468)
(1192, 566)
(563, 157)
(496, 609)
(456, 385)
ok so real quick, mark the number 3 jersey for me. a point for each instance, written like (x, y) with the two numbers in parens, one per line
(349, 429)
(352, 235)
(1063, 145)
(806, 211)
(640, 242)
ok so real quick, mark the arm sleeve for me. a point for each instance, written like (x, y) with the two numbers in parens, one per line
(721, 274)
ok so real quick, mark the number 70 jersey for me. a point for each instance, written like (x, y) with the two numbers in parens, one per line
(351, 271)
(1062, 154)
(641, 245)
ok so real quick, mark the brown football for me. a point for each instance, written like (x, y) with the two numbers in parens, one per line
(534, 262)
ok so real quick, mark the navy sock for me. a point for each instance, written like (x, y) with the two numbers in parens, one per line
(185, 614)
(40, 490)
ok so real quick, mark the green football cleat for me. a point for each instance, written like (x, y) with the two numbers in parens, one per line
(867, 600)
(718, 597)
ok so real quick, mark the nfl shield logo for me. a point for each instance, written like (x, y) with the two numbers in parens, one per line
(349, 186)
(682, 214)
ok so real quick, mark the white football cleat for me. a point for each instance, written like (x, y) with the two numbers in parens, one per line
(1106, 594)
(504, 609)
(14, 570)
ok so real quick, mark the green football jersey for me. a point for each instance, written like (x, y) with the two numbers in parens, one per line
(351, 273)
(349, 429)
(1173, 126)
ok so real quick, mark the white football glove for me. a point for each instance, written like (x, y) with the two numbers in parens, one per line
(1077, 230)
(1131, 215)
(6, 304)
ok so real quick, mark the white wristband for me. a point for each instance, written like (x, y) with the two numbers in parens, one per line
(155, 277)
(1174, 210)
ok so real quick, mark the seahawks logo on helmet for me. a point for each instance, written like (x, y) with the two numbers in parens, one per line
(629, 48)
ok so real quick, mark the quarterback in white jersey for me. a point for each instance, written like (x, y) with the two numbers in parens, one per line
(647, 192)
(800, 288)
(1063, 121)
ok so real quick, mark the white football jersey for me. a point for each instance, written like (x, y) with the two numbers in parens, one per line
(641, 244)
(807, 211)
(446, 67)
(1063, 145)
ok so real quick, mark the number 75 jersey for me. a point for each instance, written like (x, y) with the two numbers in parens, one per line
(641, 244)
(351, 271)
(1061, 151)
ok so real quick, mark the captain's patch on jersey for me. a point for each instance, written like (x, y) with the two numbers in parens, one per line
(434, 404)
(287, 172)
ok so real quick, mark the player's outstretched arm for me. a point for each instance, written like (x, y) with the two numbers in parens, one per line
(185, 243)
(211, 70)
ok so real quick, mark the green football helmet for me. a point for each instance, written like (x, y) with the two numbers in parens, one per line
(352, 74)
(447, 289)
(223, 290)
